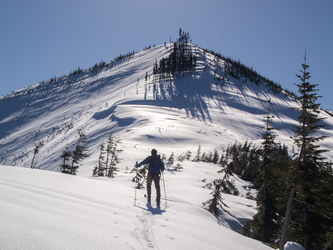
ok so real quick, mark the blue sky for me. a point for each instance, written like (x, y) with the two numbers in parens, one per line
(41, 39)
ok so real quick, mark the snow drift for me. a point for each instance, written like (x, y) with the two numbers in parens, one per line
(48, 210)
(172, 114)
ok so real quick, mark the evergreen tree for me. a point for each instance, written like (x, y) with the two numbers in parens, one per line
(107, 164)
(101, 158)
(219, 186)
(263, 226)
(140, 176)
(216, 201)
(79, 153)
(66, 155)
(100, 169)
(310, 175)
(188, 155)
(109, 144)
(197, 157)
(216, 157)
(250, 162)
(208, 157)
(171, 160)
(38, 146)
(266, 196)
(180, 60)
(112, 158)
(244, 161)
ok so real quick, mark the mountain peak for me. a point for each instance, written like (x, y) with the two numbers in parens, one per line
(154, 98)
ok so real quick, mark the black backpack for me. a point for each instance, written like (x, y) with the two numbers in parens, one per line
(153, 159)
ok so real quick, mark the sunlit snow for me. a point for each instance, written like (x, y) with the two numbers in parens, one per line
(50, 210)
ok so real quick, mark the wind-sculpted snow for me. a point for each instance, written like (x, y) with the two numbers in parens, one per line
(174, 114)
(48, 210)
(206, 107)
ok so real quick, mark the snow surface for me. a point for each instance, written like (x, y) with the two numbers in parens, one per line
(49, 210)
(293, 246)
(173, 115)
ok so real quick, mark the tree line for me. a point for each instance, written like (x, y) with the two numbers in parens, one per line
(236, 69)
(295, 190)
(107, 160)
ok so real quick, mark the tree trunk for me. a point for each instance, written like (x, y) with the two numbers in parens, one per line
(33, 159)
(305, 227)
(287, 219)
(327, 247)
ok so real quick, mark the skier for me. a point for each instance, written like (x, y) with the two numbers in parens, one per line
(156, 166)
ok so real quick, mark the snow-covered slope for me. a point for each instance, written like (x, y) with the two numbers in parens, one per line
(48, 210)
(171, 115)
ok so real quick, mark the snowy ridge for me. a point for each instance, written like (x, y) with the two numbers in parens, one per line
(46, 210)
(170, 114)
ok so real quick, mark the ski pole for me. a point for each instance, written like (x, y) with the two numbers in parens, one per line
(135, 178)
(164, 189)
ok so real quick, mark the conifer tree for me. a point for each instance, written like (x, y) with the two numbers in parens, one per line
(216, 157)
(100, 169)
(109, 144)
(198, 156)
(101, 158)
(112, 158)
(66, 155)
(140, 176)
(263, 226)
(171, 160)
(188, 155)
(307, 201)
(266, 196)
(216, 201)
(181, 59)
(219, 186)
(79, 153)
(38, 146)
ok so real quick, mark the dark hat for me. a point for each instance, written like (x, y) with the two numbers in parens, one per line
(153, 151)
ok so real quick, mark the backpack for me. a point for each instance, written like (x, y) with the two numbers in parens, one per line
(153, 167)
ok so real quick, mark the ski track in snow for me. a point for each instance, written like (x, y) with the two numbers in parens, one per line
(144, 230)
(46, 210)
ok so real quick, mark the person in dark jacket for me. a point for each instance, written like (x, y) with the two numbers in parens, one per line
(156, 166)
